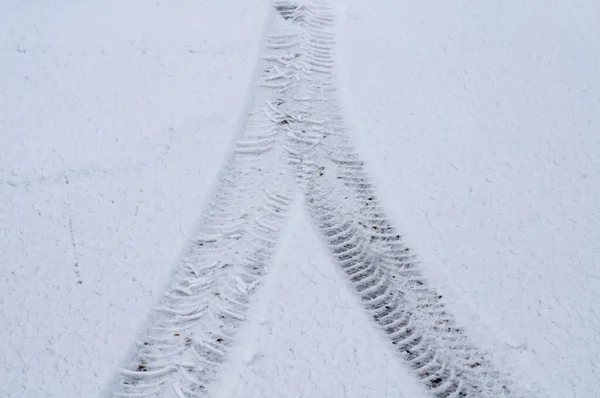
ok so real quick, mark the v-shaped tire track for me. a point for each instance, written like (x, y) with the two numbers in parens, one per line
(295, 142)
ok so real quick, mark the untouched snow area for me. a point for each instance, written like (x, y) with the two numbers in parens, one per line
(131, 133)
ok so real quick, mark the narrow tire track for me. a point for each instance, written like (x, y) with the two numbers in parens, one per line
(189, 334)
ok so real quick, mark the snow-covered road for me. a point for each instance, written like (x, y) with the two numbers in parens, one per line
(310, 272)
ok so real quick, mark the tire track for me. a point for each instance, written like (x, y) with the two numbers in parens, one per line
(342, 201)
(188, 335)
(295, 139)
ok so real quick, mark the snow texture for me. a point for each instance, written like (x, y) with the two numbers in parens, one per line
(348, 199)
(480, 123)
(113, 120)
(307, 336)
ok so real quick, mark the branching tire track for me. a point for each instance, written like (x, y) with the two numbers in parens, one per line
(295, 130)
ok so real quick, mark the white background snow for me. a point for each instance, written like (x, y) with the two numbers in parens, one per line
(479, 122)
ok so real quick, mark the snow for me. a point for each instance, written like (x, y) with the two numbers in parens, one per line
(308, 334)
(479, 125)
(480, 121)
(113, 120)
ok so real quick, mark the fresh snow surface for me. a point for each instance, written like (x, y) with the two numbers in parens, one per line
(479, 125)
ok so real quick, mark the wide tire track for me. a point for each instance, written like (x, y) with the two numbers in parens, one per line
(343, 204)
